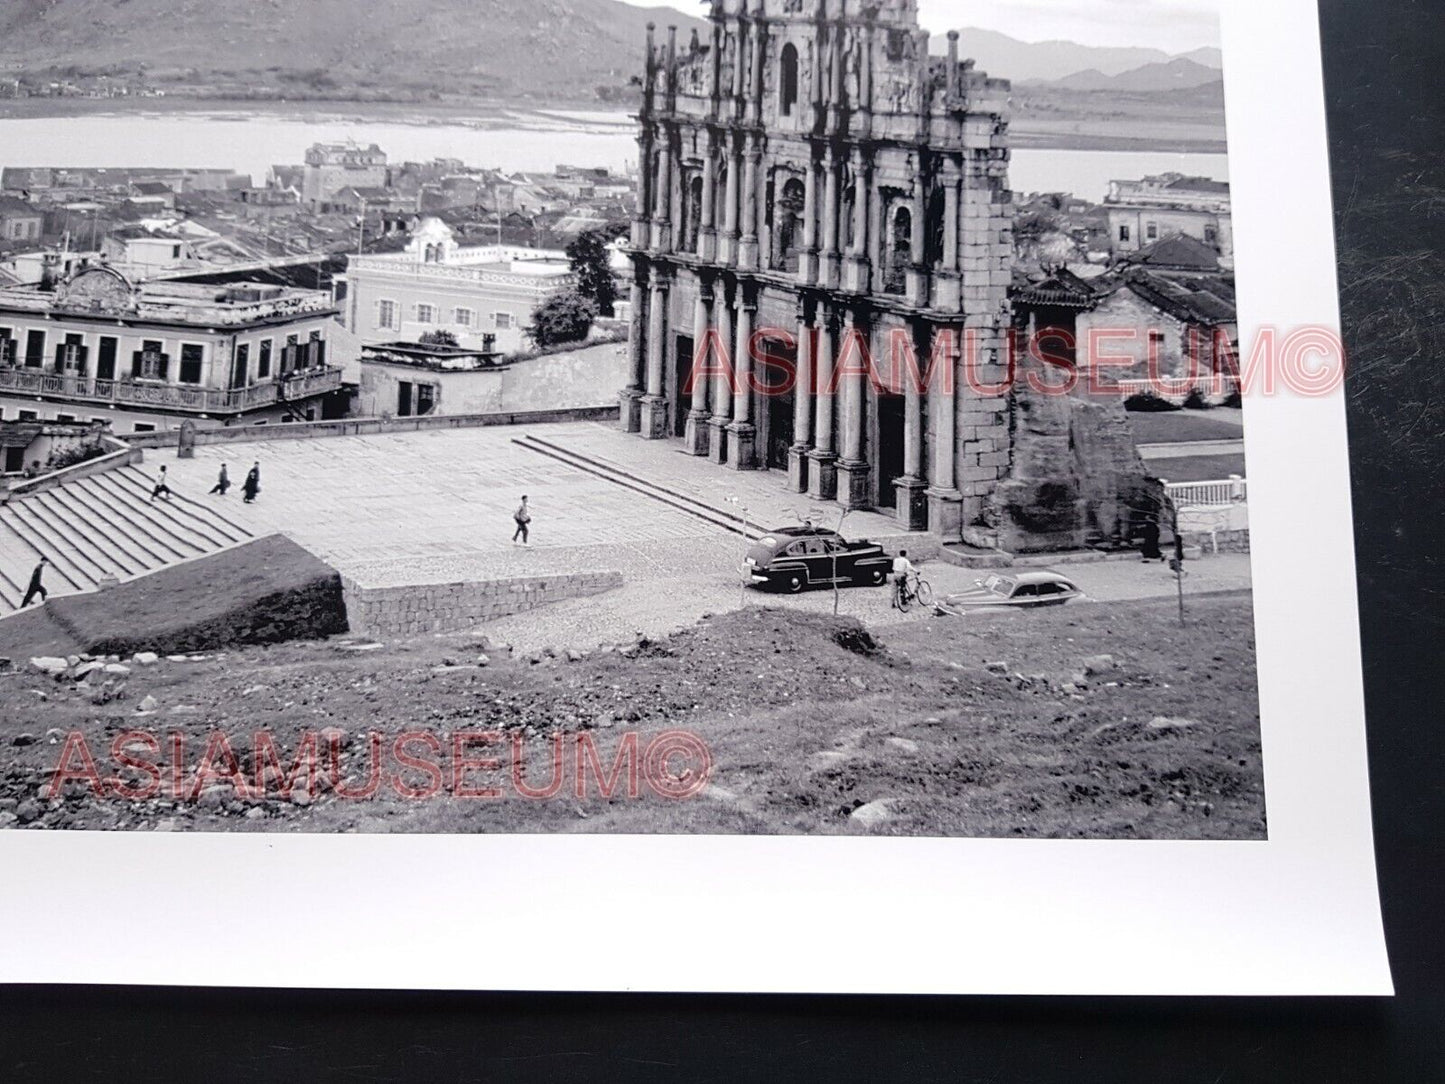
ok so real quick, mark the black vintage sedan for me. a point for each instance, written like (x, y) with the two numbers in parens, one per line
(795, 558)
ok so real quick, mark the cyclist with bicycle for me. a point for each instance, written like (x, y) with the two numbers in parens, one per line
(902, 569)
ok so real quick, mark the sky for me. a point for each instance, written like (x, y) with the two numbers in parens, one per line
(1176, 26)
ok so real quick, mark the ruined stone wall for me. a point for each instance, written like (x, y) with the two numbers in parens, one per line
(451, 607)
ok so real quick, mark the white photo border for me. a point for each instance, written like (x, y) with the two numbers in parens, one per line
(1297, 914)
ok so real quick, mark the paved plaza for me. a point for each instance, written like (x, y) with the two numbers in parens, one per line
(430, 507)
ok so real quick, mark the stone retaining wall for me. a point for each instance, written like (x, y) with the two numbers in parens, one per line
(452, 607)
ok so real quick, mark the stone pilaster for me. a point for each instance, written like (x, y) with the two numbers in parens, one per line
(695, 436)
(653, 403)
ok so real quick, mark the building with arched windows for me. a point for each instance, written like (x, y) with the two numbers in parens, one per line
(827, 205)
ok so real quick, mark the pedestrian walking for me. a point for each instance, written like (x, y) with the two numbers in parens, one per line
(36, 587)
(223, 483)
(252, 485)
(162, 488)
(522, 517)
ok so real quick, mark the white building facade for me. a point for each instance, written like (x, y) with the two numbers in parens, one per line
(484, 296)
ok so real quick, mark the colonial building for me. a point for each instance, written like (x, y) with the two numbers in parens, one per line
(330, 167)
(407, 379)
(19, 221)
(820, 196)
(1148, 210)
(484, 295)
(96, 348)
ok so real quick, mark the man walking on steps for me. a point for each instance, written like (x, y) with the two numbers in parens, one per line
(223, 483)
(521, 517)
(36, 587)
(161, 489)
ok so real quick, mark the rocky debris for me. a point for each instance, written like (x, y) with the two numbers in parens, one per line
(28, 811)
(903, 745)
(872, 814)
(1099, 664)
(147, 704)
(573, 655)
(117, 669)
(106, 691)
(8, 819)
(996, 667)
(50, 665)
(371, 646)
(145, 658)
(23, 739)
(252, 690)
(828, 758)
(1166, 722)
(482, 660)
(7, 665)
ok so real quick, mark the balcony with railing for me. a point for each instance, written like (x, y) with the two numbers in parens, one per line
(161, 395)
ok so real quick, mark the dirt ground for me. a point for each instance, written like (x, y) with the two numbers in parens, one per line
(986, 726)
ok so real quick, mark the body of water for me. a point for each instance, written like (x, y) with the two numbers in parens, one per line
(252, 142)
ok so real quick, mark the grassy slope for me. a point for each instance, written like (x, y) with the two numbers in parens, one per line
(801, 728)
(265, 590)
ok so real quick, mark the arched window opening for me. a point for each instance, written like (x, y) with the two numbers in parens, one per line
(692, 218)
(788, 93)
(789, 232)
(900, 252)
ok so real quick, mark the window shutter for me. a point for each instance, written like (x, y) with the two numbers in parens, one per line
(60, 358)
(82, 354)
(137, 363)
(319, 349)
(165, 360)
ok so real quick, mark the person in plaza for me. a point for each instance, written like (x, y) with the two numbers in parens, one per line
(36, 587)
(252, 485)
(162, 488)
(522, 517)
(223, 482)
(902, 569)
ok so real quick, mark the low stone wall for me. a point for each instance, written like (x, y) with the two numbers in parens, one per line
(1227, 541)
(452, 607)
(351, 427)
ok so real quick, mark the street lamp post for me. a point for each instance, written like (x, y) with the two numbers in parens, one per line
(841, 518)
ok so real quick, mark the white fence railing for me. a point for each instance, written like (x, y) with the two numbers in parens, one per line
(1231, 490)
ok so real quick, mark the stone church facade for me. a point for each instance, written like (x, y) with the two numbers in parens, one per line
(827, 202)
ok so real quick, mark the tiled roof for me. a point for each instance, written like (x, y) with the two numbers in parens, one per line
(1193, 299)
(1176, 251)
(10, 205)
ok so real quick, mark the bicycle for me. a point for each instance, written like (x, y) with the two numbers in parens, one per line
(912, 588)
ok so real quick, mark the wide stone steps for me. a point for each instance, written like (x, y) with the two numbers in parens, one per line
(104, 526)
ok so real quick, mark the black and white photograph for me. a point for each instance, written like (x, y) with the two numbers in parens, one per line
(749, 418)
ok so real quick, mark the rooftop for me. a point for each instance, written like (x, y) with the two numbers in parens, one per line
(105, 291)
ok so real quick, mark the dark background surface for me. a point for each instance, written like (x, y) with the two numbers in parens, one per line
(1384, 64)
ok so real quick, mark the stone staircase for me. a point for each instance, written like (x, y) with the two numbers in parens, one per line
(103, 526)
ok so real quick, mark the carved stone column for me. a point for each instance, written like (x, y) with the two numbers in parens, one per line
(828, 258)
(917, 240)
(852, 467)
(662, 206)
(802, 400)
(630, 414)
(748, 246)
(910, 505)
(728, 245)
(654, 402)
(695, 437)
(808, 258)
(855, 266)
(742, 435)
(707, 231)
(822, 465)
(721, 397)
(945, 502)
(947, 283)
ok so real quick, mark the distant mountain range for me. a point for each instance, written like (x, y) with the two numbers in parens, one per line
(542, 48)
(557, 49)
(1069, 65)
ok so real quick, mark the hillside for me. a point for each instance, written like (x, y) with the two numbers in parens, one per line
(1022, 61)
(551, 48)
(1176, 74)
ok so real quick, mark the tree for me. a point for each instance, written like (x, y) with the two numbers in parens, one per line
(438, 338)
(564, 317)
(591, 261)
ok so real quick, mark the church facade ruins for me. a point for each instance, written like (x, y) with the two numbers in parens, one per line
(822, 261)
